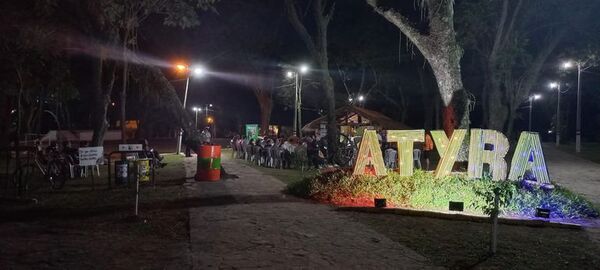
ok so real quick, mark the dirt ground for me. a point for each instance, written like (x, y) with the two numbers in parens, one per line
(83, 228)
(465, 245)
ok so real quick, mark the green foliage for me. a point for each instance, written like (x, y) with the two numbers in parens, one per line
(423, 191)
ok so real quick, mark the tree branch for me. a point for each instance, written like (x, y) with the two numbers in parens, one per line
(299, 27)
(404, 25)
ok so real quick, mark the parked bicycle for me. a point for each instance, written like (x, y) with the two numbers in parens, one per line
(49, 165)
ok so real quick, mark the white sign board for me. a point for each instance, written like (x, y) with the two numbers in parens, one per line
(91, 156)
(130, 147)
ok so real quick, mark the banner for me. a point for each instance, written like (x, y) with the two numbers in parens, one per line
(252, 131)
(91, 156)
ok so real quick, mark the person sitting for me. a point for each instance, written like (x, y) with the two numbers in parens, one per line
(205, 136)
(152, 154)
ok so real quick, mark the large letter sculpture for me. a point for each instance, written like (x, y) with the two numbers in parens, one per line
(405, 140)
(369, 153)
(447, 149)
(529, 155)
(478, 155)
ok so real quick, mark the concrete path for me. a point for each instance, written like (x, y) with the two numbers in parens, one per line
(249, 223)
(577, 174)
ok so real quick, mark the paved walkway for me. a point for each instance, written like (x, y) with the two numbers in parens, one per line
(577, 174)
(248, 223)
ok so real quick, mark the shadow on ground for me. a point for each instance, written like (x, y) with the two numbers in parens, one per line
(42, 213)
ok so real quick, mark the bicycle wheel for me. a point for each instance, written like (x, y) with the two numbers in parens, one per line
(24, 177)
(57, 173)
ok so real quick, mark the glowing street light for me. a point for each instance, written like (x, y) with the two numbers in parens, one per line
(196, 111)
(303, 68)
(361, 98)
(569, 65)
(531, 99)
(181, 67)
(198, 71)
(297, 75)
(556, 85)
(194, 70)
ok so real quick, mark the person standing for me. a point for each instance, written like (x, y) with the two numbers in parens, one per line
(427, 148)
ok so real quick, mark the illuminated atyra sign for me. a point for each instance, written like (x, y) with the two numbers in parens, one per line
(486, 147)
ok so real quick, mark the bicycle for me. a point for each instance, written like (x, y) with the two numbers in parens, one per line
(51, 167)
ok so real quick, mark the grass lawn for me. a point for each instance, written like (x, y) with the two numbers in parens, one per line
(589, 151)
(287, 176)
(84, 227)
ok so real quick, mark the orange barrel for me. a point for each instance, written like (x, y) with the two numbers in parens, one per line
(209, 163)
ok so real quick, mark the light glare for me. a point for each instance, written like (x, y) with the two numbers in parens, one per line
(303, 69)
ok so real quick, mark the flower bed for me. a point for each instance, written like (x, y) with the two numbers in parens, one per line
(423, 191)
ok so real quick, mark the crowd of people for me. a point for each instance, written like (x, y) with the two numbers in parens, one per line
(278, 152)
(311, 151)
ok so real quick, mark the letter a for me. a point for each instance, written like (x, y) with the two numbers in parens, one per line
(447, 149)
(529, 156)
(369, 153)
(478, 155)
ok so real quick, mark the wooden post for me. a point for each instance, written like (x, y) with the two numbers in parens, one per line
(494, 236)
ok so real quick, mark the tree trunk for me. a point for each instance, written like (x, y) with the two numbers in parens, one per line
(124, 102)
(103, 83)
(332, 129)
(441, 50)
(265, 102)
(317, 46)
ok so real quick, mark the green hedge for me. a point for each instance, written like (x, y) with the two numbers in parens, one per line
(423, 191)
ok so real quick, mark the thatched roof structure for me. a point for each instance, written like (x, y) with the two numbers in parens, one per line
(350, 115)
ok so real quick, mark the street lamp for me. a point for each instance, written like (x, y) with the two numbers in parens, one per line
(196, 111)
(569, 65)
(531, 99)
(197, 71)
(297, 76)
(556, 85)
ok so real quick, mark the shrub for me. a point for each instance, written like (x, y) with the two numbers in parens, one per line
(423, 191)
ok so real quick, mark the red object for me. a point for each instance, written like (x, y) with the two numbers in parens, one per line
(208, 163)
(449, 120)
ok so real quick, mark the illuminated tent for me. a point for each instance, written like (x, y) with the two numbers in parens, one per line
(352, 120)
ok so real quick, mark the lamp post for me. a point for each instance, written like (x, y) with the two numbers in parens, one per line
(556, 85)
(297, 76)
(531, 99)
(580, 68)
(197, 71)
(196, 111)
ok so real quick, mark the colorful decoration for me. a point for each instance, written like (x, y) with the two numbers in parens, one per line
(369, 155)
(405, 140)
(447, 149)
(478, 154)
(529, 156)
